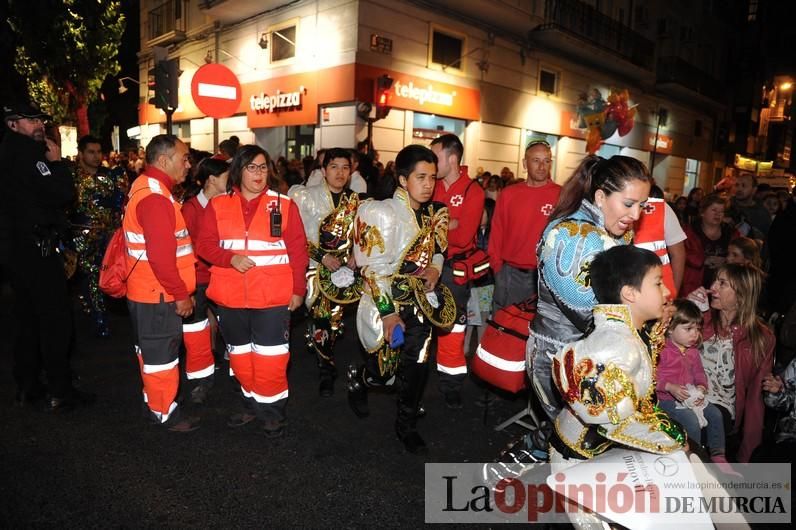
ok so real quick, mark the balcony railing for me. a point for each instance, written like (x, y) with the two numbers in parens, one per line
(676, 70)
(168, 17)
(585, 22)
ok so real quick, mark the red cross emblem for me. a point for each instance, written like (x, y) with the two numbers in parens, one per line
(547, 209)
(649, 208)
(457, 200)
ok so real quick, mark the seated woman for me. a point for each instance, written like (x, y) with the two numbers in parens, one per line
(399, 245)
(737, 351)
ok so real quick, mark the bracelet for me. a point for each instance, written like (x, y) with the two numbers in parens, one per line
(385, 306)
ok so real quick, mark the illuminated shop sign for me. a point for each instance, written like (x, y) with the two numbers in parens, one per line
(278, 101)
(423, 94)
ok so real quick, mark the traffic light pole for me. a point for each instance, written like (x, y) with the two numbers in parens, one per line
(370, 135)
(168, 112)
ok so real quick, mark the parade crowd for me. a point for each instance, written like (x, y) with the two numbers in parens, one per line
(687, 304)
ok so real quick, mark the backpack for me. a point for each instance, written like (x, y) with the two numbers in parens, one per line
(113, 272)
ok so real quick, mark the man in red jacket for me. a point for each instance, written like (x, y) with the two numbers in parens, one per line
(465, 201)
(161, 277)
(521, 213)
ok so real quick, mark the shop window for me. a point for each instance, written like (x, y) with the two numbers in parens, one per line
(426, 127)
(283, 43)
(548, 81)
(446, 49)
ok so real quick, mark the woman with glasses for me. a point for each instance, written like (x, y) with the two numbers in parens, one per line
(254, 240)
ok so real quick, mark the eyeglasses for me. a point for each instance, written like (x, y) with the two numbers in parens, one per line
(254, 168)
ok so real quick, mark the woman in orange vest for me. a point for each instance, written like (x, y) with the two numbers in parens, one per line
(254, 240)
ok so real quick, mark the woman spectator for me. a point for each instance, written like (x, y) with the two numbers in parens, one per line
(209, 180)
(737, 351)
(707, 244)
(493, 187)
(695, 197)
(254, 239)
(596, 211)
(680, 207)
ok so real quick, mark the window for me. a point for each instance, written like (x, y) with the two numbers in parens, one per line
(446, 50)
(283, 43)
(548, 81)
(698, 128)
(662, 27)
(691, 174)
(752, 13)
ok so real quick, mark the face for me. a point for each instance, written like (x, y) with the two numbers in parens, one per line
(623, 208)
(681, 204)
(444, 166)
(177, 163)
(734, 255)
(686, 335)
(772, 205)
(217, 184)
(722, 294)
(420, 183)
(713, 215)
(91, 156)
(744, 188)
(254, 177)
(650, 299)
(698, 195)
(538, 161)
(30, 127)
(337, 173)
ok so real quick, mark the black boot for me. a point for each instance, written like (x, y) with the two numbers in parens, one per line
(357, 391)
(409, 392)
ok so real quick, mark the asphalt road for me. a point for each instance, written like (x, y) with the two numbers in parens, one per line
(104, 466)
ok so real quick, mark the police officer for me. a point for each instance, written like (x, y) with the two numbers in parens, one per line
(37, 189)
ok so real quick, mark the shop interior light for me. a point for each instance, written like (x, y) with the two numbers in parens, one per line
(786, 85)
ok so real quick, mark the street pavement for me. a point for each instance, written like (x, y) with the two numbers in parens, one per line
(105, 466)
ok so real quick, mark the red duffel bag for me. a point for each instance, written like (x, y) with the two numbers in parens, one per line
(500, 357)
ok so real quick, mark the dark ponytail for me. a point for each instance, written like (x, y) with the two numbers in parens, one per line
(576, 188)
(207, 167)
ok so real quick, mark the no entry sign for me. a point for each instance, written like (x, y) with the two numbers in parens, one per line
(216, 90)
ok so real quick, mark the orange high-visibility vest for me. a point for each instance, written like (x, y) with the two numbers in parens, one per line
(649, 234)
(142, 285)
(270, 282)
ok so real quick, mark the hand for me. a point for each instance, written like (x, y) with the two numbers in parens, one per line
(389, 323)
(701, 298)
(184, 308)
(668, 313)
(773, 384)
(453, 224)
(351, 263)
(679, 392)
(430, 278)
(295, 302)
(242, 263)
(53, 153)
(331, 262)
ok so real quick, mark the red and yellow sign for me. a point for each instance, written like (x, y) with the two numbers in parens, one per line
(422, 95)
(665, 143)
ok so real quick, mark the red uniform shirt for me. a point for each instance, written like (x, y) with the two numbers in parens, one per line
(466, 211)
(192, 211)
(521, 214)
(292, 234)
(156, 215)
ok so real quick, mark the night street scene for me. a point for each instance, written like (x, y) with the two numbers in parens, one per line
(394, 263)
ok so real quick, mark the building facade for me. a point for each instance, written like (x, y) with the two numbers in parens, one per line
(497, 73)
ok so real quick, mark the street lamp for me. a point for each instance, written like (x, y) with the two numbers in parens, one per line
(122, 88)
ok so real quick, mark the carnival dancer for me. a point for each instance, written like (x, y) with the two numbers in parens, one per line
(328, 211)
(399, 244)
(607, 380)
(97, 213)
(210, 180)
(254, 239)
(596, 211)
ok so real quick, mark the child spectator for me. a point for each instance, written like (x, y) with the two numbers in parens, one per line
(745, 251)
(682, 384)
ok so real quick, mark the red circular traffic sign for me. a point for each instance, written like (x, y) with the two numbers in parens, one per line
(216, 90)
